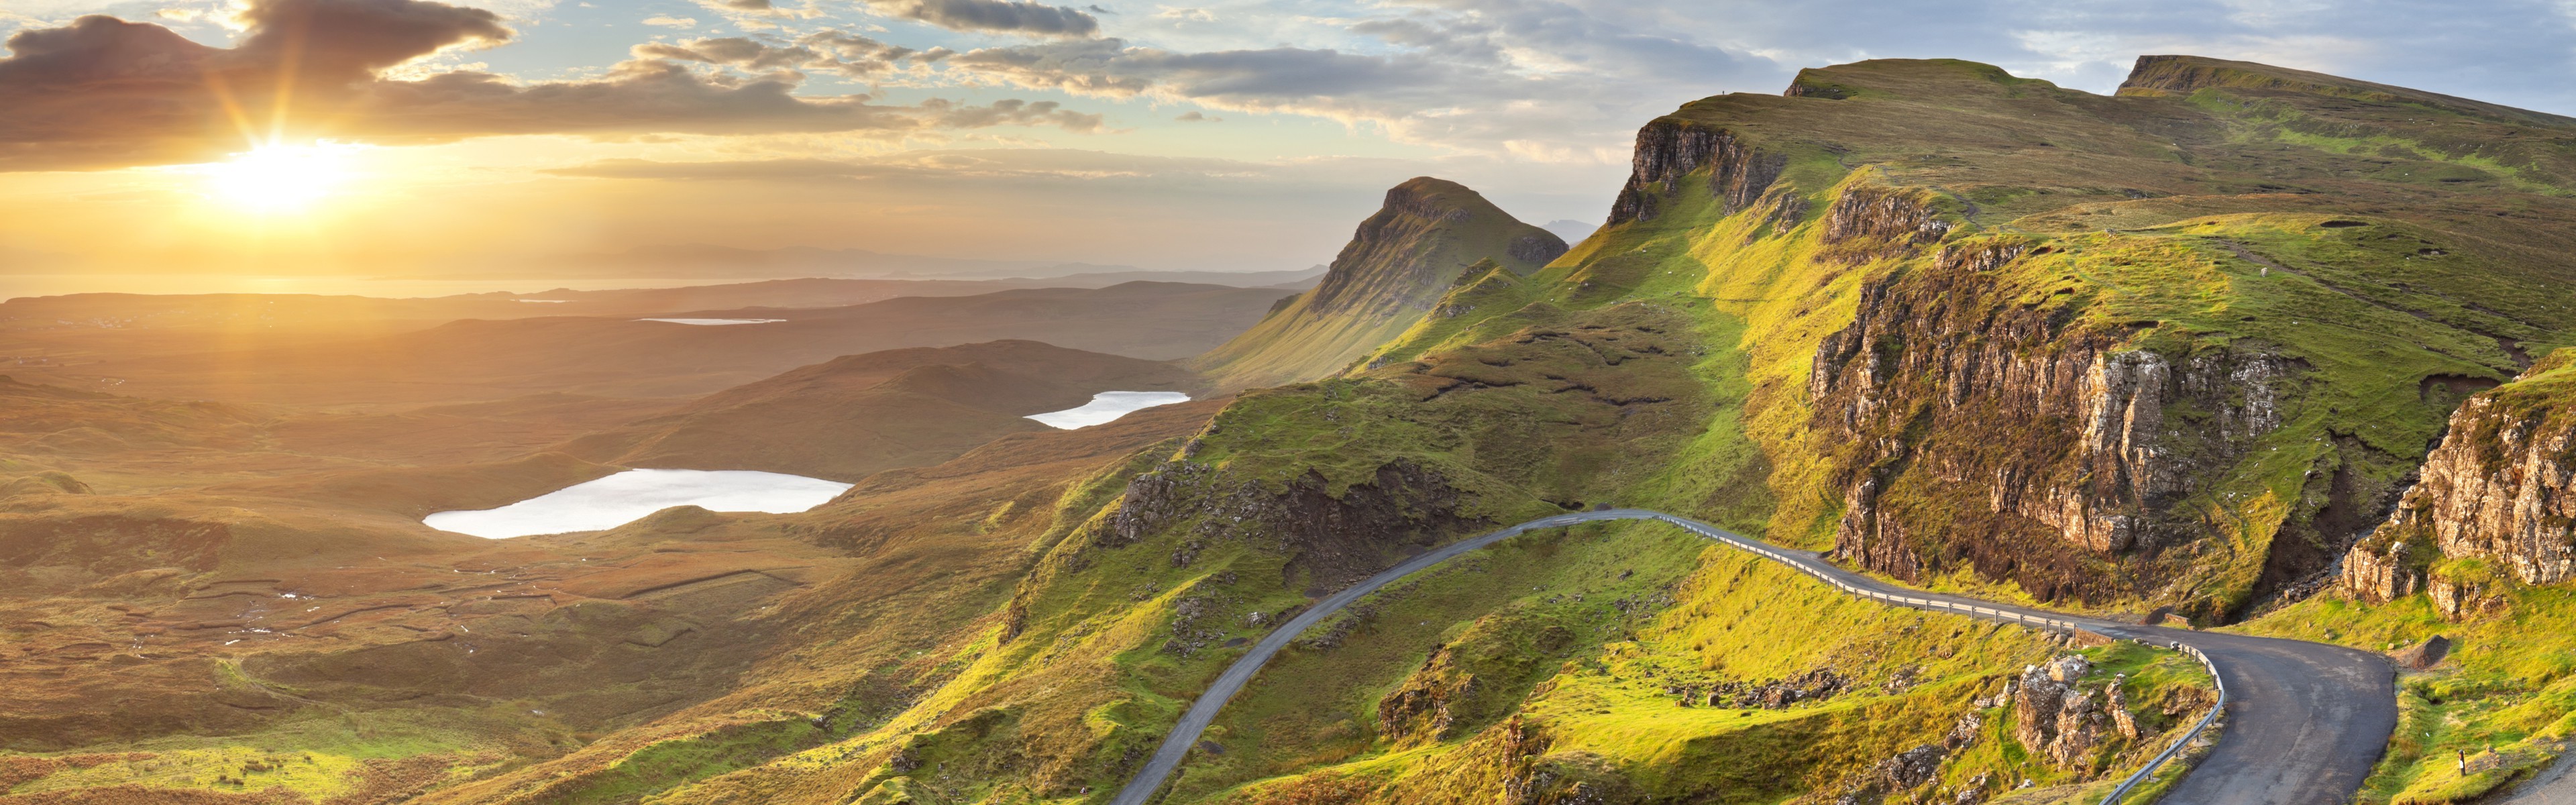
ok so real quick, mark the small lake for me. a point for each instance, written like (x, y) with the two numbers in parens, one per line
(711, 322)
(1108, 406)
(628, 496)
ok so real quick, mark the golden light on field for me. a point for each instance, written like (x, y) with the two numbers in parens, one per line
(280, 178)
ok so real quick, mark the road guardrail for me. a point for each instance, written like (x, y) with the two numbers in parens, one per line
(1166, 760)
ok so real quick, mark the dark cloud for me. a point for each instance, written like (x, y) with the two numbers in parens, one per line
(993, 16)
(340, 41)
(102, 92)
(106, 90)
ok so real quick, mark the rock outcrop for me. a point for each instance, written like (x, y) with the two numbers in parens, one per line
(1962, 413)
(1669, 149)
(1332, 540)
(2501, 488)
(2057, 719)
(1430, 703)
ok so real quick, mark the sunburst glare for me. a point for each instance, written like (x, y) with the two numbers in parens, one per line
(281, 178)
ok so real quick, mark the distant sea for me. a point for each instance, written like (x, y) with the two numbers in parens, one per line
(17, 285)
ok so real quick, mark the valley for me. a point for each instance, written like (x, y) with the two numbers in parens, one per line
(1885, 445)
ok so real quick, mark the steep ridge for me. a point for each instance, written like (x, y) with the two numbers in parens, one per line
(1427, 235)
(856, 415)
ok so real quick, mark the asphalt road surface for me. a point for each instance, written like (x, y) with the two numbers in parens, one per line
(2305, 721)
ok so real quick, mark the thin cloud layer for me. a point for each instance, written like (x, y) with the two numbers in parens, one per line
(846, 54)
(1472, 83)
(103, 92)
(993, 16)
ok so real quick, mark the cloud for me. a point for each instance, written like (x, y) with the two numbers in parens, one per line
(668, 21)
(1009, 112)
(1194, 116)
(832, 51)
(1526, 79)
(102, 92)
(993, 16)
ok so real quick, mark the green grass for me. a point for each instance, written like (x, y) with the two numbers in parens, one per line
(1667, 363)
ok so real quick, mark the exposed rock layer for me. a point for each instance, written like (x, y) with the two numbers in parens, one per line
(2498, 488)
(1962, 413)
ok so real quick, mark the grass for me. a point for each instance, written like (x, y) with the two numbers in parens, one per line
(1669, 363)
(2509, 685)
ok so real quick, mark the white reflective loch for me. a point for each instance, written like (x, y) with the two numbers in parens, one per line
(1108, 406)
(714, 322)
(628, 496)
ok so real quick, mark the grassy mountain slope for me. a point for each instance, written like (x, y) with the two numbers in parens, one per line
(2202, 341)
(2177, 347)
(1429, 232)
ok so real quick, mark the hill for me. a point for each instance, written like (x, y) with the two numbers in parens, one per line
(2169, 349)
(853, 416)
(473, 360)
(1428, 234)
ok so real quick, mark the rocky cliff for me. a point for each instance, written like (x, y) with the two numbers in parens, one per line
(1396, 267)
(2020, 440)
(1669, 149)
(2501, 488)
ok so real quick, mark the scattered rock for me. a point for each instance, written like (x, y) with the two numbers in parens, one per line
(2424, 655)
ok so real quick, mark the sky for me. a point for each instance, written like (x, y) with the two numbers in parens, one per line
(408, 137)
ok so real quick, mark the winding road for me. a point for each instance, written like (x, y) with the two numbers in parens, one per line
(2305, 720)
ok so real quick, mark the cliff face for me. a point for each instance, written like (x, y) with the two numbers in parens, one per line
(1669, 149)
(2017, 440)
(1396, 267)
(2500, 488)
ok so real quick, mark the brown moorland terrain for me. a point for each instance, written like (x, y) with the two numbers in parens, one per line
(852, 416)
(310, 602)
(388, 362)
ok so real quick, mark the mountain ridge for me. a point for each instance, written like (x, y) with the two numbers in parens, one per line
(1426, 234)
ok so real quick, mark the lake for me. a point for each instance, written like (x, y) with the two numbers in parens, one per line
(1108, 406)
(628, 496)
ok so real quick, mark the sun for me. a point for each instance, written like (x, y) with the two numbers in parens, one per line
(281, 178)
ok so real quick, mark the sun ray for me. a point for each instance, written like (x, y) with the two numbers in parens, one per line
(280, 177)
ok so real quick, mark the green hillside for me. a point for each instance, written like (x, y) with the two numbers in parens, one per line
(2182, 347)
(1428, 233)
